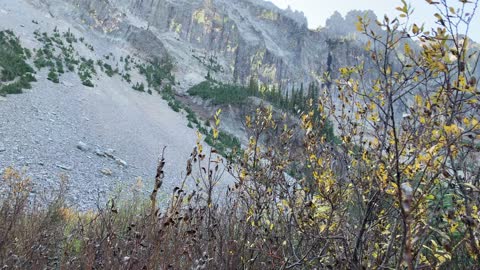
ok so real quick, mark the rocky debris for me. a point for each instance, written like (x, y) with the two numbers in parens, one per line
(103, 117)
(106, 171)
(109, 153)
(64, 167)
(82, 146)
(99, 153)
(67, 84)
(121, 162)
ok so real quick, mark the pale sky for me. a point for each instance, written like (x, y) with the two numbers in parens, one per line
(317, 11)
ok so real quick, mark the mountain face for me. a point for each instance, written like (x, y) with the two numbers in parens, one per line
(109, 134)
(234, 40)
(93, 128)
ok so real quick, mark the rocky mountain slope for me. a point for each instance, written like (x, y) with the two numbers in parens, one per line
(102, 135)
(233, 39)
(99, 133)
(102, 138)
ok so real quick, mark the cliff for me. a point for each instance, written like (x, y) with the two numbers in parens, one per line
(232, 40)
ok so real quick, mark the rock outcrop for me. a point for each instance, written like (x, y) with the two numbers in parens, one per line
(234, 40)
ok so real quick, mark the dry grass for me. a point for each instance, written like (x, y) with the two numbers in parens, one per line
(133, 235)
(195, 230)
(264, 221)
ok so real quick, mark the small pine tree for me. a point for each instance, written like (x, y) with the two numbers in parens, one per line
(53, 76)
(301, 98)
(286, 101)
(253, 85)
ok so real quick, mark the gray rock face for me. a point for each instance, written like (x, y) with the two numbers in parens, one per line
(243, 38)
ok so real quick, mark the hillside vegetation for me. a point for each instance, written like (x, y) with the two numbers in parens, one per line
(15, 73)
(295, 101)
(60, 53)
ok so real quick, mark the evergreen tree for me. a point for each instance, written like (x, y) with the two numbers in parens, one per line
(301, 98)
(286, 101)
(291, 105)
(253, 86)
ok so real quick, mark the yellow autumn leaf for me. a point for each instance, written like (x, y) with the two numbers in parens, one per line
(407, 49)
(453, 228)
(415, 29)
(418, 100)
(442, 67)
(368, 46)
(359, 26)
(452, 130)
(474, 122)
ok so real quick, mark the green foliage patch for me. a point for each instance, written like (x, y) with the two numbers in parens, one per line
(15, 72)
(220, 93)
(139, 87)
(86, 71)
(157, 71)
